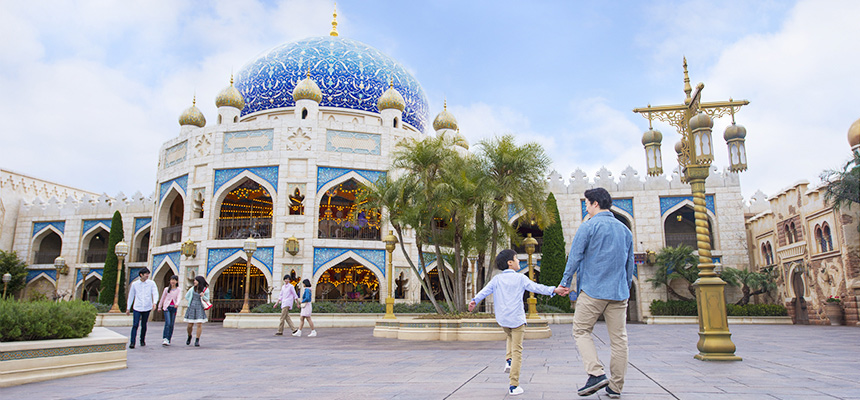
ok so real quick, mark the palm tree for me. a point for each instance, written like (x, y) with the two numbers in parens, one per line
(843, 187)
(751, 283)
(676, 263)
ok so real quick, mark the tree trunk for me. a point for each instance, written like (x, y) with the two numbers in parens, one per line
(425, 283)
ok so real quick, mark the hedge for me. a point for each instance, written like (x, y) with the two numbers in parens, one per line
(42, 320)
(688, 308)
(327, 307)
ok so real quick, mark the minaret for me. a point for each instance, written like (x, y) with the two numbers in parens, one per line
(391, 106)
(230, 104)
(308, 96)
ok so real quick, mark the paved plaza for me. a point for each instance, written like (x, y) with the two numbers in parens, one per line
(780, 362)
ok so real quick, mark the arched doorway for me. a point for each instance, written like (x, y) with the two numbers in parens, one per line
(525, 225)
(48, 249)
(623, 219)
(96, 251)
(336, 215)
(172, 230)
(680, 228)
(142, 247)
(228, 290)
(801, 311)
(246, 211)
(91, 289)
(435, 286)
(347, 281)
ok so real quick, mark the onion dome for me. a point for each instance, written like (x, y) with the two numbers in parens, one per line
(854, 134)
(192, 116)
(445, 120)
(652, 136)
(735, 131)
(679, 146)
(307, 89)
(701, 120)
(391, 99)
(230, 97)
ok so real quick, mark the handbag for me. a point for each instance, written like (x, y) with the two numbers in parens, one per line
(206, 305)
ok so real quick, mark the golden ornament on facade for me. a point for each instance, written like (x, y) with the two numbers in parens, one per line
(307, 89)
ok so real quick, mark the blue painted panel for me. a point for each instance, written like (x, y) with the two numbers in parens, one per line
(624, 204)
(268, 174)
(231, 145)
(97, 271)
(90, 223)
(513, 210)
(157, 259)
(322, 255)
(59, 225)
(328, 174)
(140, 223)
(265, 255)
(34, 273)
(667, 203)
(164, 187)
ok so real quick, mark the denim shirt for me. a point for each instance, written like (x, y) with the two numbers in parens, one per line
(601, 256)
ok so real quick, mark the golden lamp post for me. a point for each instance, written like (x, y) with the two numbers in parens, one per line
(390, 241)
(694, 121)
(250, 247)
(121, 250)
(59, 263)
(85, 270)
(530, 243)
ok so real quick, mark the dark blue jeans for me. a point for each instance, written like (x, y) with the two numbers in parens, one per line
(140, 317)
(169, 320)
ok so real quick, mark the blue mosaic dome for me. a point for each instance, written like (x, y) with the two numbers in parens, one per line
(350, 74)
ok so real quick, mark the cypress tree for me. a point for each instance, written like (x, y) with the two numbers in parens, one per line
(109, 273)
(553, 260)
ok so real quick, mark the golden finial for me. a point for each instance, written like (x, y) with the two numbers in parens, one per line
(687, 87)
(391, 85)
(194, 100)
(309, 70)
(649, 118)
(732, 110)
(231, 79)
(445, 104)
(334, 22)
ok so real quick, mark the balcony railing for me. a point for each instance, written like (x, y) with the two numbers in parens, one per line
(240, 228)
(95, 256)
(675, 239)
(45, 257)
(347, 230)
(142, 255)
(171, 234)
(521, 249)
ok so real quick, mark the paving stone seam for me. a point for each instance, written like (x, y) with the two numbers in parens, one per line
(466, 382)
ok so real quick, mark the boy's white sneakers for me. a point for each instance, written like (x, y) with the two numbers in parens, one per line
(297, 333)
(508, 366)
(515, 390)
(312, 334)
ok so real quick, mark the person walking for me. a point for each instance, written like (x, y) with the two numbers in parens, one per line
(198, 301)
(168, 303)
(507, 289)
(142, 296)
(286, 300)
(601, 256)
(305, 314)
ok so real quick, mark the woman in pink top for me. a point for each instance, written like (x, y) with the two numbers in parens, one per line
(169, 302)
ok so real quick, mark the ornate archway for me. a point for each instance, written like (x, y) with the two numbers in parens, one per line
(228, 290)
(679, 227)
(246, 210)
(337, 219)
(347, 281)
(48, 246)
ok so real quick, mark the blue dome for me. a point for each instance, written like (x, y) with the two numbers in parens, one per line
(350, 74)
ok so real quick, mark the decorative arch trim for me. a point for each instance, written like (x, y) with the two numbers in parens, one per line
(140, 223)
(268, 174)
(89, 224)
(79, 276)
(625, 205)
(321, 268)
(324, 255)
(212, 269)
(172, 256)
(214, 257)
(60, 226)
(181, 182)
(668, 203)
(328, 174)
(50, 274)
(513, 212)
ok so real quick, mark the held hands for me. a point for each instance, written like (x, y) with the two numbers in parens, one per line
(562, 291)
(472, 305)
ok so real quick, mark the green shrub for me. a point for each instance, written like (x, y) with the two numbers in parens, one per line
(688, 308)
(41, 320)
(266, 309)
(550, 309)
(102, 308)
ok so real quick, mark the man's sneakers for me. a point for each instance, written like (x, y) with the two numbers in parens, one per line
(515, 390)
(297, 333)
(508, 365)
(312, 334)
(165, 342)
(612, 394)
(593, 384)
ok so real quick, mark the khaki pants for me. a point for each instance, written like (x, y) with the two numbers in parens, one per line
(514, 351)
(285, 316)
(588, 309)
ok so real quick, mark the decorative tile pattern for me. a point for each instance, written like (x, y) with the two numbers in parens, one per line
(328, 174)
(323, 255)
(513, 210)
(157, 259)
(90, 223)
(175, 154)
(350, 74)
(717, 260)
(668, 202)
(624, 204)
(97, 271)
(265, 255)
(133, 273)
(268, 174)
(34, 273)
(38, 226)
(140, 223)
(245, 141)
(353, 142)
(60, 351)
(182, 181)
(524, 265)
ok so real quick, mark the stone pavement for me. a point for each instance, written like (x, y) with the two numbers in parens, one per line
(780, 362)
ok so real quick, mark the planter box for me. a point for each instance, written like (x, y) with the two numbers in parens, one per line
(669, 319)
(41, 360)
(463, 330)
(114, 319)
(333, 320)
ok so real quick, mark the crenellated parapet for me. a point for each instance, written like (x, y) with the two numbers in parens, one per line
(88, 205)
(630, 180)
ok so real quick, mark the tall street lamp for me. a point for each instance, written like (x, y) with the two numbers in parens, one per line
(121, 250)
(390, 241)
(7, 277)
(530, 243)
(250, 247)
(85, 270)
(59, 263)
(693, 120)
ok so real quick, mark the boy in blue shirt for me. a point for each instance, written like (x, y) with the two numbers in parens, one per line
(508, 288)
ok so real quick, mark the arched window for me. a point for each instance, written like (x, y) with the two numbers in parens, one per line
(789, 232)
(764, 257)
(826, 237)
(49, 249)
(770, 258)
(820, 244)
(246, 211)
(304, 113)
(172, 232)
(96, 251)
(794, 232)
(396, 122)
(337, 219)
(680, 228)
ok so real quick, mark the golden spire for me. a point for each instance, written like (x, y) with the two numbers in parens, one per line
(445, 104)
(687, 87)
(732, 111)
(194, 100)
(334, 22)
(649, 118)
(231, 79)
(391, 84)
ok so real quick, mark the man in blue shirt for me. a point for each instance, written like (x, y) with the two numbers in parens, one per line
(601, 256)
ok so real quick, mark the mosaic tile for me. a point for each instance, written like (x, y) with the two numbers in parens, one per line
(91, 223)
(38, 226)
(322, 255)
(328, 174)
(265, 255)
(140, 223)
(164, 187)
(268, 174)
(667, 203)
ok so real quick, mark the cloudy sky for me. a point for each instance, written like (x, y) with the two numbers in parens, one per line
(91, 89)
